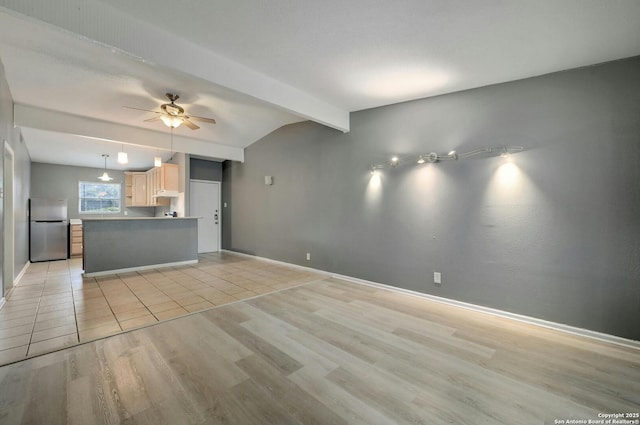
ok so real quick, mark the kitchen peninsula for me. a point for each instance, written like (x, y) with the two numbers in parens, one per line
(122, 244)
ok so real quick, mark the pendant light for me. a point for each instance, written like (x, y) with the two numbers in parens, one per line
(123, 158)
(105, 176)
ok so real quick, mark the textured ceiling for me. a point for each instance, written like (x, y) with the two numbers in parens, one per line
(255, 65)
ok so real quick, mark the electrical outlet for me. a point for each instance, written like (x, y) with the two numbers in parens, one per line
(308, 256)
(437, 278)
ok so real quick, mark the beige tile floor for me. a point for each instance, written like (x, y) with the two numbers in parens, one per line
(54, 306)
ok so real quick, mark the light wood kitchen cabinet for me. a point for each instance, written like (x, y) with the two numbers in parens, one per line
(136, 189)
(169, 177)
(166, 178)
(151, 184)
(76, 240)
(128, 189)
(161, 180)
(142, 187)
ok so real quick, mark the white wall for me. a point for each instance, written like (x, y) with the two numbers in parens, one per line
(22, 172)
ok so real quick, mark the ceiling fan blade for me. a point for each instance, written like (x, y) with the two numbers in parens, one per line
(203, 119)
(156, 118)
(189, 124)
(140, 109)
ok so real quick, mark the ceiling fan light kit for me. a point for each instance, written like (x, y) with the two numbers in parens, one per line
(171, 121)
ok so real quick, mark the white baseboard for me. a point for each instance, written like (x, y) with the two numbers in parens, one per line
(486, 310)
(139, 268)
(16, 281)
(281, 263)
(22, 272)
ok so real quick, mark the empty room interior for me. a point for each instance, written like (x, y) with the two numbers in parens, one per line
(362, 212)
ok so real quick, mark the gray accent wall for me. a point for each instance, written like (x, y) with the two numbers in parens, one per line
(53, 180)
(21, 177)
(555, 235)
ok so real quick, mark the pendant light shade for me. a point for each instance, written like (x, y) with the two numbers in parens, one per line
(105, 176)
(123, 158)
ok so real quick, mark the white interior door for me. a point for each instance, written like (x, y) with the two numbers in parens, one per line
(204, 202)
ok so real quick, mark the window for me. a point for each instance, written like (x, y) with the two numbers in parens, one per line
(99, 198)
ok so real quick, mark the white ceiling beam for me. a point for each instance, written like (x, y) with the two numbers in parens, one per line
(108, 26)
(60, 122)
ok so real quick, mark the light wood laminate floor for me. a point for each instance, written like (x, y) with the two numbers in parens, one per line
(55, 306)
(326, 352)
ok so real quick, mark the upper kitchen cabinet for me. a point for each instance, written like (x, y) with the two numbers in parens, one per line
(152, 188)
(169, 178)
(163, 183)
(136, 189)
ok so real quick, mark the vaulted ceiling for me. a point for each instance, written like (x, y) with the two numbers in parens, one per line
(255, 65)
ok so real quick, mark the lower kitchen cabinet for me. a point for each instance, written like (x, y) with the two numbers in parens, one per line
(76, 240)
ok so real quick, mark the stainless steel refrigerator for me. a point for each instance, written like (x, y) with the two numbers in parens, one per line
(48, 230)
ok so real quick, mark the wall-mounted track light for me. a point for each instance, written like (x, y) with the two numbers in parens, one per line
(433, 157)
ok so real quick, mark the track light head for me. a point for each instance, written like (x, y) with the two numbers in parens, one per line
(432, 157)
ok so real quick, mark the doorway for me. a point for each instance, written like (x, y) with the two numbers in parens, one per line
(204, 202)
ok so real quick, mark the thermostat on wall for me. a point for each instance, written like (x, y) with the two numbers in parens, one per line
(268, 180)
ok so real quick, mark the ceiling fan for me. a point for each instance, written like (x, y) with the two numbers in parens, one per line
(173, 115)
